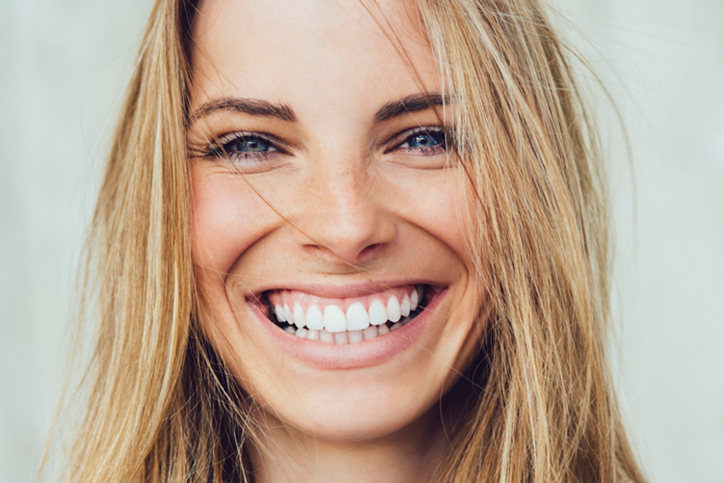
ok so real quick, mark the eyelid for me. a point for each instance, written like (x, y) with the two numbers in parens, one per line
(219, 142)
(401, 137)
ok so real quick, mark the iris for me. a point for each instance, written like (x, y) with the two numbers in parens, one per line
(248, 144)
(426, 139)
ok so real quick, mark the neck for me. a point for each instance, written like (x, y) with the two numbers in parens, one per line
(410, 454)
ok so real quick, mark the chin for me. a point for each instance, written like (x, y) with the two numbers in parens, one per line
(337, 389)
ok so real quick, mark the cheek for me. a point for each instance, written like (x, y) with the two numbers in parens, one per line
(434, 204)
(228, 217)
(446, 221)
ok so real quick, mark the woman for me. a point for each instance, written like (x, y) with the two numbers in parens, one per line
(351, 241)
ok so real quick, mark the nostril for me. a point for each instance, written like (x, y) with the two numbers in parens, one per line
(369, 251)
(343, 221)
(340, 257)
(352, 242)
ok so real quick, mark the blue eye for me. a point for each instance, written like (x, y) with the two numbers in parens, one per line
(241, 147)
(429, 140)
(248, 144)
(426, 140)
(252, 145)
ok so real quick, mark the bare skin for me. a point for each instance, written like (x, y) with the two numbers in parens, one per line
(334, 186)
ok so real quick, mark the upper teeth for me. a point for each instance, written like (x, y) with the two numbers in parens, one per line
(334, 319)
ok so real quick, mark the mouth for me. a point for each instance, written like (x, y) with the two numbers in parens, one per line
(351, 320)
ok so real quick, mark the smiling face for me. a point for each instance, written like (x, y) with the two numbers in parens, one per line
(327, 239)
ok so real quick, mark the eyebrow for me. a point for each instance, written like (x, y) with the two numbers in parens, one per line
(258, 107)
(409, 104)
(253, 107)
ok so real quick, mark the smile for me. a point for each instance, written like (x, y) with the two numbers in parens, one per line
(361, 334)
(344, 320)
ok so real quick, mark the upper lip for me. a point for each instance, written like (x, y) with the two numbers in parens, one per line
(342, 290)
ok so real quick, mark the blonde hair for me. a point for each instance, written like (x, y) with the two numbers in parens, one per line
(540, 403)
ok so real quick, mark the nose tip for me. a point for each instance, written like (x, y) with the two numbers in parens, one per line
(344, 225)
(337, 244)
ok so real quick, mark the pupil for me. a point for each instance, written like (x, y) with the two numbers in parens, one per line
(423, 140)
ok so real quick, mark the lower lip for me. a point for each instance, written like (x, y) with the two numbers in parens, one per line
(324, 355)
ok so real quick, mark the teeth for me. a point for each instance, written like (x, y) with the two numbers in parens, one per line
(325, 336)
(393, 309)
(281, 316)
(356, 325)
(314, 318)
(378, 313)
(299, 319)
(344, 337)
(357, 318)
(290, 316)
(404, 306)
(355, 336)
(334, 320)
(370, 332)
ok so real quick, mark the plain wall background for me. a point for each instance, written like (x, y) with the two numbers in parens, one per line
(64, 65)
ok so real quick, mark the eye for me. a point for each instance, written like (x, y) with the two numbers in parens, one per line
(244, 147)
(424, 140)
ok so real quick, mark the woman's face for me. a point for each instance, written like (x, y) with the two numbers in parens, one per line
(327, 241)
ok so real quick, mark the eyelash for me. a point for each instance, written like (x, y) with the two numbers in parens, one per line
(436, 133)
(222, 147)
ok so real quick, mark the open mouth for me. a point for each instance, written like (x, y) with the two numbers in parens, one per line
(345, 321)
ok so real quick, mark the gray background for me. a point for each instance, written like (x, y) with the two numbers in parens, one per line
(63, 67)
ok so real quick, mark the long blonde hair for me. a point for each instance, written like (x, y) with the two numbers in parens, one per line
(540, 405)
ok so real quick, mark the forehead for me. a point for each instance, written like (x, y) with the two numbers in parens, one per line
(297, 51)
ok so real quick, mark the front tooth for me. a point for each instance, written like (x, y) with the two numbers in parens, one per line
(313, 335)
(404, 306)
(325, 336)
(291, 330)
(355, 336)
(378, 313)
(334, 320)
(281, 316)
(393, 309)
(301, 332)
(414, 299)
(382, 330)
(340, 338)
(370, 332)
(357, 318)
(299, 319)
(314, 318)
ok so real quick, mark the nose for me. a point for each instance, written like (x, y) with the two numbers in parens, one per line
(341, 218)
